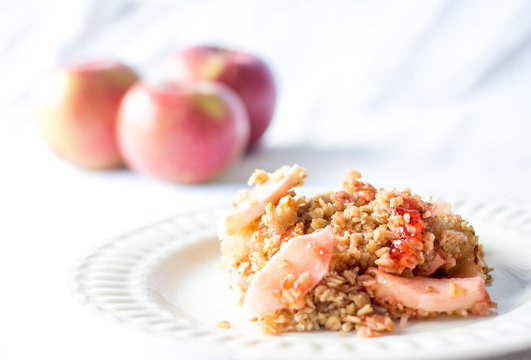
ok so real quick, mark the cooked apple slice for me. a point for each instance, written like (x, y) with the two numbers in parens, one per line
(429, 294)
(294, 270)
(269, 192)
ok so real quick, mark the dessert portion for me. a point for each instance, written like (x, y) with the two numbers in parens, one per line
(356, 259)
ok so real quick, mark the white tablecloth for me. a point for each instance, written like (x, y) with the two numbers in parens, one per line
(430, 95)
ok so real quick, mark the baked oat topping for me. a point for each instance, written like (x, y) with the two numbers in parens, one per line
(353, 260)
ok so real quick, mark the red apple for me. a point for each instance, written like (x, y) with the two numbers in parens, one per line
(247, 75)
(186, 134)
(76, 110)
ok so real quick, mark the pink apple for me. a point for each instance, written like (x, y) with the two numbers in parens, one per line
(186, 134)
(247, 75)
(76, 110)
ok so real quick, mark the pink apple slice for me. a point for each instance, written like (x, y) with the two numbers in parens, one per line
(429, 294)
(294, 270)
(269, 192)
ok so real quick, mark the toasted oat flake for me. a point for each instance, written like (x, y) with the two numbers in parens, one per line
(223, 324)
(455, 289)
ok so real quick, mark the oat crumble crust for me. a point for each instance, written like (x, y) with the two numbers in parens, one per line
(386, 229)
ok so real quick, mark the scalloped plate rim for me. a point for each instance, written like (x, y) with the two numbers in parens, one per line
(180, 329)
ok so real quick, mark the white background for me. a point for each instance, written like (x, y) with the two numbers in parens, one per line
(422, 94)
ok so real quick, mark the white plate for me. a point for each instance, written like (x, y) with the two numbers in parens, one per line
(164, 278)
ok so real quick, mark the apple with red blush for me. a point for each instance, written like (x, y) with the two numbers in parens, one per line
(76, 107)
(244, 73)
(187, 134)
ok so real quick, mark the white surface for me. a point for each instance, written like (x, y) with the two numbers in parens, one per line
(412, 93)
(165, 279)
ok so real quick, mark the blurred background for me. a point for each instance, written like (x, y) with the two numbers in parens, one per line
(431, 95)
